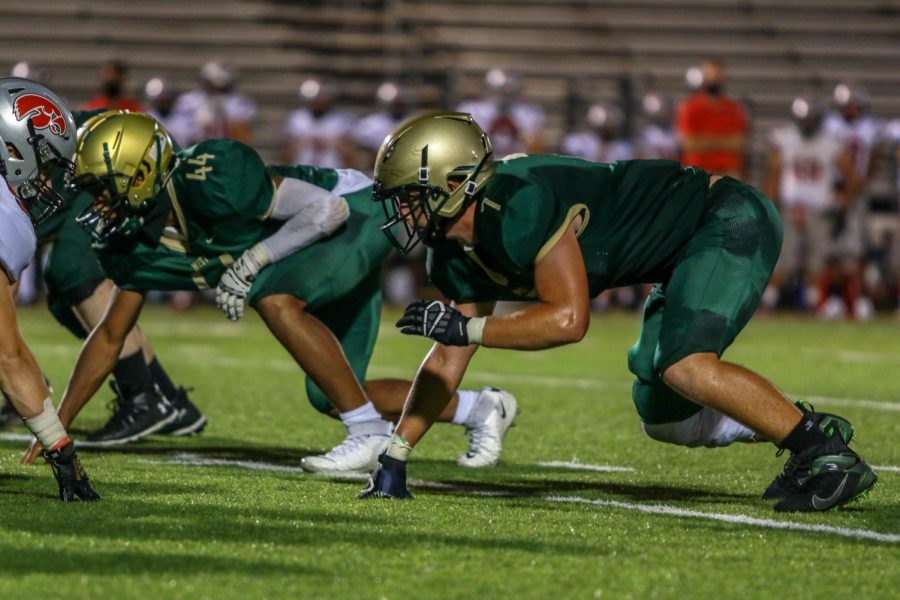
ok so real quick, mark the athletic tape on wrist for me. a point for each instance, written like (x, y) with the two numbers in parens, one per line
(475, 329)
(47, 427)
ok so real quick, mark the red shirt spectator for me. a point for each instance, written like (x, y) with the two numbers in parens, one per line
(104, 101)
(712, 127)
(113, 94)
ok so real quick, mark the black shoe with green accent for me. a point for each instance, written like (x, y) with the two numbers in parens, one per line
(822, 477)
(70, 475)
(133, 418)
(190, 420)
(829, 424)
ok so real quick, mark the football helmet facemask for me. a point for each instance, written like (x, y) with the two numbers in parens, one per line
(416, 168)
(124, 160)
(37, 141)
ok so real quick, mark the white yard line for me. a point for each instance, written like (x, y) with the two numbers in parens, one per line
(664, 509)
(886, 468)
(577, 466)
(656, 509)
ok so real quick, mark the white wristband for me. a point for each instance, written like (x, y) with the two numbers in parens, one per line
(475, 329)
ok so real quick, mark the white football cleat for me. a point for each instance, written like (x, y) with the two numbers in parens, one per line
(494, 413)
(356, 453)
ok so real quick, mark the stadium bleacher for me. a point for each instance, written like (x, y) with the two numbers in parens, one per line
(773, 49)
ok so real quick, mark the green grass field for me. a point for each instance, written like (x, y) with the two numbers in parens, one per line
(227, 514)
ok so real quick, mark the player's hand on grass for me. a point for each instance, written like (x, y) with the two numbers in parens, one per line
(388, 480)
(231, 293)
(32, 454)
(436, 320)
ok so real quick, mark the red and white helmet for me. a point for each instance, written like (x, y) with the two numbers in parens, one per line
(37, 140)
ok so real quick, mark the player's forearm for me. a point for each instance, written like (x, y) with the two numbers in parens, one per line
(21, 379)
(537, 327)
(95, 362)
(432, 389)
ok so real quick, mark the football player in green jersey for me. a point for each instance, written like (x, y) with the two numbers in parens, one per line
(78, 293)
(299, 244)
(560, 230)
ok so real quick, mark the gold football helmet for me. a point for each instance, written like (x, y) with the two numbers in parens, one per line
(427, 170)
(123, 159)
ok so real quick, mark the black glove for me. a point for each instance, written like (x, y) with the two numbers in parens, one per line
(436, 320)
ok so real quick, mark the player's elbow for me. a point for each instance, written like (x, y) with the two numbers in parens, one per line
(572, 324)
(336, 213)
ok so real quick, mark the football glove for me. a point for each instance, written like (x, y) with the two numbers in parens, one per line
(436, 320)
(231, 293)
(70, 475)
(388, 480)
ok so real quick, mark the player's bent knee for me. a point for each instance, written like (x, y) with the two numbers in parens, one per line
(278, 304)
(689, 372)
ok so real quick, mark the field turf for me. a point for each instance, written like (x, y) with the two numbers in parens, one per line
(582, 506)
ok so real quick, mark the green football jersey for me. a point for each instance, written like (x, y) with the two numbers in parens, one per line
(221, 194)
(632, 218)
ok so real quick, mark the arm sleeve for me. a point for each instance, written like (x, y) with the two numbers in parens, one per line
(309, 213)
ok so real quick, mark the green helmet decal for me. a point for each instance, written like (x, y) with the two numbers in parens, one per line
(123, 160)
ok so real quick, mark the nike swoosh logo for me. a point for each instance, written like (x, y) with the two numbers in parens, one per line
(823, 503)
(502, 410)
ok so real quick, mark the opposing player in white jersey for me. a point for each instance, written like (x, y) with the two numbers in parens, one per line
(804, 162)
(217, 109)
(513, 124)
(395, 101)
(319, 133)
(862, 136)
(600, 137)
(37, 137)
(656, 137)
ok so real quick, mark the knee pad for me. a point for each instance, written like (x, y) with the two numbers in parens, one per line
(707, 428)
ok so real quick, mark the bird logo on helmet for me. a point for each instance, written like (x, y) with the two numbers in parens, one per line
(38, 133)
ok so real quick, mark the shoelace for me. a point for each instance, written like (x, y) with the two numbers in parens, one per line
(479, 439)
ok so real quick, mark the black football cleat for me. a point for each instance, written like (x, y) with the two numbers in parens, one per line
(388, 480)
(829, 424)
(74, 484)
(189, 419)
(134, 418)
(823, 477)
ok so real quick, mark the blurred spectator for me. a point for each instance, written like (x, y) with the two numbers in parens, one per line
(513, 124)
(656, 136)
(160, 96)
(803, 163)
(712, 127)
(599, 138)
(113, 89)
(28, 70)
(216, 109)
(319, 133)
(861, 134)
(395, 101)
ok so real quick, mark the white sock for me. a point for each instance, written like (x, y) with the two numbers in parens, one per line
(365, 420)
(47, 427)
(467, 401)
